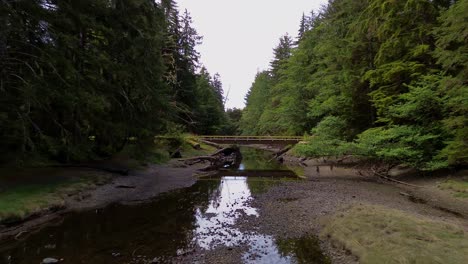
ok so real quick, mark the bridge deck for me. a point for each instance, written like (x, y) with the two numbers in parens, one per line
(248, 139)
(252, 139)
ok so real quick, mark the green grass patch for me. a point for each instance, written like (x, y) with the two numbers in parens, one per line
(26, 200)
(188, 151)
(380, 235)
(186, 145)
(459, 187)
(159, 151)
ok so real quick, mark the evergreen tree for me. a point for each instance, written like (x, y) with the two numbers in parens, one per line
(281, 53)
(452, 54)
(79, 79)
(379, 78)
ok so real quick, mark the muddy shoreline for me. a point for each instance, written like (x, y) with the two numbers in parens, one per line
(137, 187)
(290, 210)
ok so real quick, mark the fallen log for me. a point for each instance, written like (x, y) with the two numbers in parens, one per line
(395, 181)
(193, 144)
(200, 159)
(278, 155)
(209, 143)
(226, 157)
(282, 151)
(125, 187)
(176, 154)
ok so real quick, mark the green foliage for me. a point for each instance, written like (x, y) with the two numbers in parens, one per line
(256, 102)
(209, 112)
(409, 144)
(72, 71)
(380, 78)
(328, 140)
(452, 53)
(234, 116)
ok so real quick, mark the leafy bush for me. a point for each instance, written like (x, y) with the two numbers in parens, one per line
(328, 140)
(400, 144)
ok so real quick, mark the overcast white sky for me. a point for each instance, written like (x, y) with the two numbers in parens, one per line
(239, 36)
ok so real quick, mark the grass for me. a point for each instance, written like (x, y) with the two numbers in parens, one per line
(160, 154)
(26, 200)
(189, 152)
(381, 235)
(459, 187)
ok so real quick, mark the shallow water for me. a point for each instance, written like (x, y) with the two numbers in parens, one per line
(202, 217)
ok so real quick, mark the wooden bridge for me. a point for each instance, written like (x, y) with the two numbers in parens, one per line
(243, 140)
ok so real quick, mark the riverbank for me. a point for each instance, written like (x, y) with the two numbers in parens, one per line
(327, 204)
(334, 191)
(32, 198)
(137, 187)
(344, 204)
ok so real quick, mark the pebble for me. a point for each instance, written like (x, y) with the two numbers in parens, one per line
(50, 261)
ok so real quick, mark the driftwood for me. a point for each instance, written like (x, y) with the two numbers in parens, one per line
(226, 157)
(282, 151)
(199, 159)
(125, 187)
(194, 144)
(278, 155)
(393, 180)
(209, 143)
(176, 154)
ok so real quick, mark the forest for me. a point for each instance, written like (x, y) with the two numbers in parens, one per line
(81, 80)
(382, 79)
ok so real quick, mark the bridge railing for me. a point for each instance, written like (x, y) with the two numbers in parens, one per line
(247, 138)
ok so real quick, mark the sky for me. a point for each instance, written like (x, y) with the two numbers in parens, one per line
(239, 37)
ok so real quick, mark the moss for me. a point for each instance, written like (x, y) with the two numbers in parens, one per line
(23, 201)
(381, 235)
(459, 187)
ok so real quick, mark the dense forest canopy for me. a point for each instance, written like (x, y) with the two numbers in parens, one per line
(380, 78)
(80, 79)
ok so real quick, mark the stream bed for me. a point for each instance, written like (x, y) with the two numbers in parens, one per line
(207, 216)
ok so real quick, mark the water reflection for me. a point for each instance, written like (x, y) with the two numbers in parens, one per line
(203, 216)
(216, 226)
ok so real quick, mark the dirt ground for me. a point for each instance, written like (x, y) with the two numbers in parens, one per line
(298, 209)
(289, 210)
(138, 186)
(304, 206)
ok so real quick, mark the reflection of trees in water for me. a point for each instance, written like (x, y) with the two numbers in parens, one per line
(259, 160)
(215, 196)
(260, 185)
(305, 249)
(153, 229)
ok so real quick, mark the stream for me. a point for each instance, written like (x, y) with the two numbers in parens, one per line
(201, 218)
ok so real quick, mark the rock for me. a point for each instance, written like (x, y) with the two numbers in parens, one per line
(50, 261)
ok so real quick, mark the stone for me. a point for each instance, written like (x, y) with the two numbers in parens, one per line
(50, 261)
